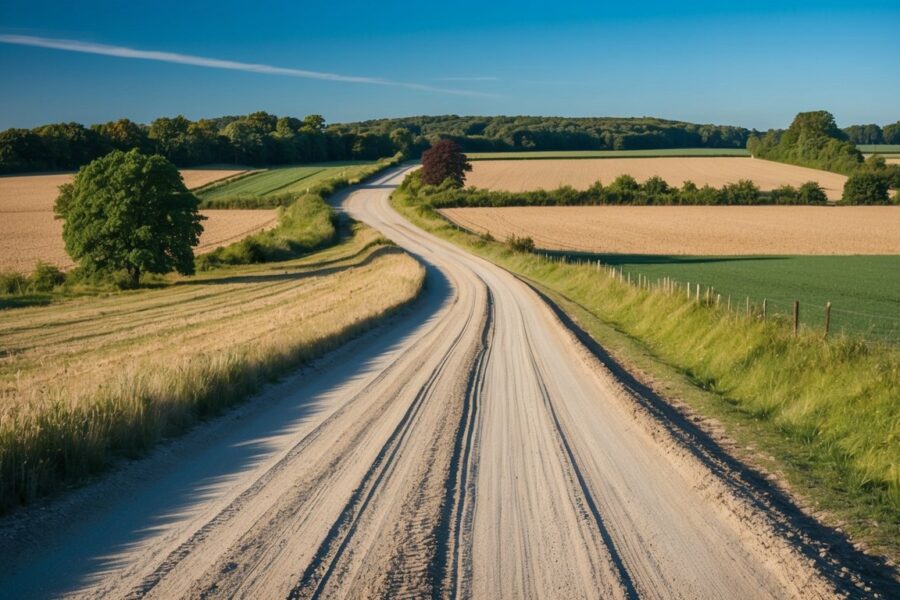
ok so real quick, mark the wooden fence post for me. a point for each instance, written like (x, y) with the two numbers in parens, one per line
(827, 317)
(765, 308)
(796, 315)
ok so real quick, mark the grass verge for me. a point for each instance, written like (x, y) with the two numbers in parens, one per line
(825, 414)
(863, 291)
(90, 380)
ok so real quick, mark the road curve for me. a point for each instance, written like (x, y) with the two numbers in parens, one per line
(474, 448)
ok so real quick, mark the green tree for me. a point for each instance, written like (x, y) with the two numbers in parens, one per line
(314, 122)
(866, 187)
(403, 140)
(130, 212)
(891, 133)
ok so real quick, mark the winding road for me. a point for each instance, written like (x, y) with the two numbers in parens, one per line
(473, 447)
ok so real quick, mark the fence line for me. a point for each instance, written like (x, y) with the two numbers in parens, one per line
(708, 296)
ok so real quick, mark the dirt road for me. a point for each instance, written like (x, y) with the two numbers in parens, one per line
(472, 448)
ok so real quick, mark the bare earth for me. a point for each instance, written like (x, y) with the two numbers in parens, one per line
(697, 230)
(29, 233)
(524, 175)
(472, 449)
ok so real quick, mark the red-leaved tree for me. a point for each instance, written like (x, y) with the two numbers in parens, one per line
(444, 160)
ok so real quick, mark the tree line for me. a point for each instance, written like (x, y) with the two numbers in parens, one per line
(814, 140)
(255, 139)
(873, 134)
(624, 190)
(503, 133)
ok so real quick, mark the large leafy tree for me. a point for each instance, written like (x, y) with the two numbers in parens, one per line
(130, 212)
(444, 160)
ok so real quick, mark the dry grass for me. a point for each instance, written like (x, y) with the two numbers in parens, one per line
(694, 230)
(101, 375)
(520, 175)
(29, 233)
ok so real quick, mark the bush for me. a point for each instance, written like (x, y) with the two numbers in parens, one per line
(742, 192)
(13, 283)
(45, 277)
(520, 244)
(866, 188)
(812, 193)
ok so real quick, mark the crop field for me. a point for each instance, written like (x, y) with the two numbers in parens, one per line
(93, 364)
(879, 148)
(281, 180)
(694, 230)
(864, 290)
(739, 250)
(670, 152)
(520, 176)
(29, 232)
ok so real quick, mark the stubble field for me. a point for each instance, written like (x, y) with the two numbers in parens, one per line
(522, 175)
(93, 364)
(698, 230)
(29, 233)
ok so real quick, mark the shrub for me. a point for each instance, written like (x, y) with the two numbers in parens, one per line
(812, 193)
(520, 244)
(866, 188)
(45, 277)
(13, 283)
(742, 192)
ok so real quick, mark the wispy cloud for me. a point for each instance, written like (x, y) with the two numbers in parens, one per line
(477, 78)
(215, 63)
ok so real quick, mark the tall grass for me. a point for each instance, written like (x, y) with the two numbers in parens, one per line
(119, 392)
(835, 405)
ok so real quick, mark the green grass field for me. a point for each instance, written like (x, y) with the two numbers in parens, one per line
(670, 152)
(879, 148)
(281, 180)
(864, 290)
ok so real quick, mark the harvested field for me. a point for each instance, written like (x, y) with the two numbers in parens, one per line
(195, 178)
(95, 362)
(520, 176)
(29, 233)
(696, 230)
(543, 154)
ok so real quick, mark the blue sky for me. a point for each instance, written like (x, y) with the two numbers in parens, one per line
(754, 64)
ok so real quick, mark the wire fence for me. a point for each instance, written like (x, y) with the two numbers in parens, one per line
(831, 320)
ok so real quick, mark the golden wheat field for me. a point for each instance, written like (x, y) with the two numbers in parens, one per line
(524, 175)
(29, 233)
(695, 230)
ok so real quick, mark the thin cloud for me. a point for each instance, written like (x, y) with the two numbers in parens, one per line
(214, 63)
(466, 79)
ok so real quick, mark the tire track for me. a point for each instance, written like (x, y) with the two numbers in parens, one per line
(325, 561)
